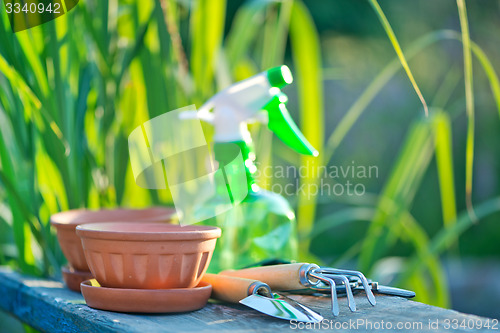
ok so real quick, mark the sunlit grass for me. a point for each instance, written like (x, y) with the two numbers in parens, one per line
(469, 105)
(399, 51)
(73, 89)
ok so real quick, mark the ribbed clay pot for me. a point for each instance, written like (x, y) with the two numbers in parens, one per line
(147, 255)
(66, 222)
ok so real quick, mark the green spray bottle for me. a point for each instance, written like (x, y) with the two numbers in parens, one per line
(263, 225)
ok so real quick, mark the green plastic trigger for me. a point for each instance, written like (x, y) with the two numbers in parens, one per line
(282, 124)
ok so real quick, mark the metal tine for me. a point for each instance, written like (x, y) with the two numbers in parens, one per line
(333, 290)
(364, 281)
(350, 298)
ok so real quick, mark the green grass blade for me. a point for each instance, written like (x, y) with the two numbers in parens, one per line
(444, 161)
(469, 104)
(17, 82)
(172, 54)
(50, 182)
(275, 34)
(307, 60)
(207, 28)
(447, 87)
(246, 24)
(135, 49)
(33, 60)
(197, 62)
(394, 41)
(170, 14)
(6, 177)
(490, 72)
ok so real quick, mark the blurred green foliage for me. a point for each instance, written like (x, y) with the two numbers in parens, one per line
(73, 89)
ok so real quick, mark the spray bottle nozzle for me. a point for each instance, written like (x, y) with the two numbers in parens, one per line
(243, 101)
(282, 124)
(279, 76)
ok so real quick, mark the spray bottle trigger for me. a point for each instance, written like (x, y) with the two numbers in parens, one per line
(282, 124)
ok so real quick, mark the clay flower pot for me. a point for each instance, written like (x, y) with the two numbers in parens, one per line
(66, 222)
(147, 255)
(73, 278)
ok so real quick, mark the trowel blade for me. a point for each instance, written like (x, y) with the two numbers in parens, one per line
(280, 309)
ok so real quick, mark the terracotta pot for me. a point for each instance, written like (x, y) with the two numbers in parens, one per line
(66, 222)
(147, 255)
(73, 278)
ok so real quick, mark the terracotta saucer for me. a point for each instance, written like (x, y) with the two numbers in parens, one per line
(145, 300)
(73, 278)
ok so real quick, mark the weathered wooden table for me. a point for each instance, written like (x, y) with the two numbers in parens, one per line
(50, 307)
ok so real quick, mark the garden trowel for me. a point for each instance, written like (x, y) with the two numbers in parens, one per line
(258, 296)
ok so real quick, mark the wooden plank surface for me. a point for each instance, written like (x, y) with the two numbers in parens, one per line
(50, 307)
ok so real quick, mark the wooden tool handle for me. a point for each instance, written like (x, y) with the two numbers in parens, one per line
(278, 277)
(229, 288)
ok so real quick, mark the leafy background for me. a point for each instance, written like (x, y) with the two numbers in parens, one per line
(408, 86)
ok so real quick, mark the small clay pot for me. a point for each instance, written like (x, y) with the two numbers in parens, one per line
(66, 222)
(73, 278)
(147, 255)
